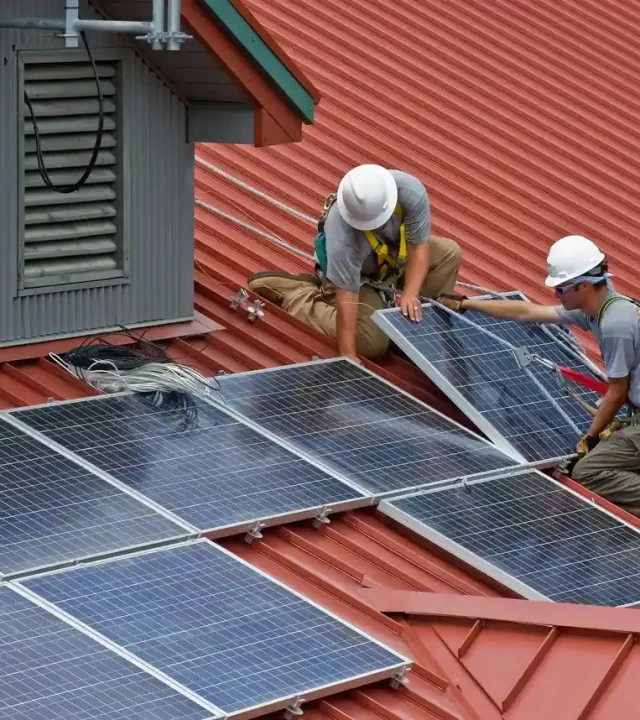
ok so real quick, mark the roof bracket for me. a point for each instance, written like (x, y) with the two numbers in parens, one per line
(253, 533)
(400, 679)
(523, 357)
(294, 710)
(253, 309)
(322, 518)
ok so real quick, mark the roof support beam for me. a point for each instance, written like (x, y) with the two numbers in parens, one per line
(522, 612)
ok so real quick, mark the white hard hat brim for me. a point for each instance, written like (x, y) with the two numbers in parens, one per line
(391, 192)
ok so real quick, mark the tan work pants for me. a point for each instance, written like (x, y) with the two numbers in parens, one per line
(612, 469)
(317, 304)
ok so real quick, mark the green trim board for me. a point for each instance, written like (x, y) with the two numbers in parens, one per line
(249, 39)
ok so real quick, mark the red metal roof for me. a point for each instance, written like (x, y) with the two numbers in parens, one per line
(519, 117)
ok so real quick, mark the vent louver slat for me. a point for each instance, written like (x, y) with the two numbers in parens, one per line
(70, 237)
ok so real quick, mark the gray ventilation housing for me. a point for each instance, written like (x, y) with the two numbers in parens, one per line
(72, 237)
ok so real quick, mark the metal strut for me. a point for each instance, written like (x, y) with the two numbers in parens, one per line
(155, 32)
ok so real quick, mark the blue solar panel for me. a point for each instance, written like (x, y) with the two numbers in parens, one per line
(483, 377)
(360, 426)
(198, 462)
(529, 530)
(216, 625)
(51, 671)
(53, 511)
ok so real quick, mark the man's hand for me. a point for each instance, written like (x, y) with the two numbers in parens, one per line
(410, 306)
(586, 444)
(453, 302)
(354, 358)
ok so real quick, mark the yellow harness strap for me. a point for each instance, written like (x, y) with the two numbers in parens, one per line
(387, 265)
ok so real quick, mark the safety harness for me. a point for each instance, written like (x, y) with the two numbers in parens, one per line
(388, 266)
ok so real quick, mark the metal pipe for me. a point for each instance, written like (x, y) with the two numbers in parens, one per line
(116, 26)
(173, 24)
(32, 24)
(158, 23)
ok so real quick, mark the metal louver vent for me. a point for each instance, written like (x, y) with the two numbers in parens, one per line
(74, 237)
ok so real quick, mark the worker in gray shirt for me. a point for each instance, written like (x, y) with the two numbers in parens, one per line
(578, 273)
(375, 232)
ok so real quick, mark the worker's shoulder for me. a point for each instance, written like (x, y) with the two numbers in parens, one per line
(337, 228)
(407, 182)
(620, 316)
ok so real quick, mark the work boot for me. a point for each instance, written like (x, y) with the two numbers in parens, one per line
(277, 285)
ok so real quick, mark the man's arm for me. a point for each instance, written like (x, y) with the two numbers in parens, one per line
(347, 322)
(611, 403)
(415, 276)
(518, 310)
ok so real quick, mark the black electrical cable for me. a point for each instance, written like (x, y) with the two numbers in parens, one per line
(66, 189)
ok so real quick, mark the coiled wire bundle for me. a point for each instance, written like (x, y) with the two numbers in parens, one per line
(144, 367)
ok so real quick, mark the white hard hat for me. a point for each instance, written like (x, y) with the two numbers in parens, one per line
(570, 257)
(367, 197)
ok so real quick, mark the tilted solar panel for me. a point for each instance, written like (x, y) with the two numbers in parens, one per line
(533, 535)
(52, 511)
(523, 411)
(48, 669)
(360, 426)
(218, 626)
(202, 465)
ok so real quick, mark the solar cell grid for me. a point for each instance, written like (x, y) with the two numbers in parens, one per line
(205, 467)
(216, 625)
(53, 511)
(534, 531)
(521, 409)
(48, 669)
(359, 426)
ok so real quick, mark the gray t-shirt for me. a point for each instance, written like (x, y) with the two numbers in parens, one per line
(350, 259)
(619, 338)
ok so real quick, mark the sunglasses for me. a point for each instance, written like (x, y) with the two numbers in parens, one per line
(563, 289)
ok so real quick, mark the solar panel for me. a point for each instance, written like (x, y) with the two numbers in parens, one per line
(533, 535)
(360, 426)
(53, 511)
(523, 411)
(199, 463)
(218, 626)
(48, 669)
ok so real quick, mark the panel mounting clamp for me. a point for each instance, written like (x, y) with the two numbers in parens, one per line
(253, 309)
(400, 679)
(295, 709)
(322, 518)
(253, 533)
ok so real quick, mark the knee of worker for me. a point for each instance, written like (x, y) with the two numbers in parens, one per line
(584, 472)
(371, 342)
(446, 258)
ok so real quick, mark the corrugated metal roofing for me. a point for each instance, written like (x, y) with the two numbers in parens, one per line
(519, 117)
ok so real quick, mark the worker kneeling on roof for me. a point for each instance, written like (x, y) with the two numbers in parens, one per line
(374, 236)
(578, 273)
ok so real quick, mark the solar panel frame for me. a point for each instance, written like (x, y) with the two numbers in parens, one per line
(391, 509)
(73, 636)
(395, 670)
(382, 319)
(363, 499)
(175, 532)
(516, 465)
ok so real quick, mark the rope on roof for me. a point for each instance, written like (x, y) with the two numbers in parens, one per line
(268, 236)
(259, 193)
